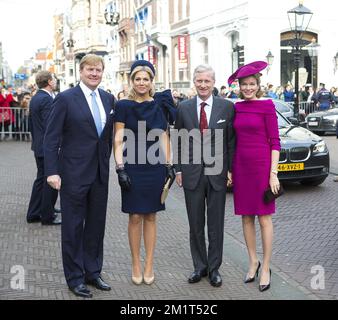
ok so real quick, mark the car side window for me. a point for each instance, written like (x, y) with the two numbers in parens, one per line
(282, 108)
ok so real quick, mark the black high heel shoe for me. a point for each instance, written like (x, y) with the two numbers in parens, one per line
(249, 279)
(264, 287)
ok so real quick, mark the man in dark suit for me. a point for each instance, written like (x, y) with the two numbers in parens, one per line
(43, 197)
(204, 171)
(78, 144)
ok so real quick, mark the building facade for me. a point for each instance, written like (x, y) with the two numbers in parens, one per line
(178, 35)
(229, 34)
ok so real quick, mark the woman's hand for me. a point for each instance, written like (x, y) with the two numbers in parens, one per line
(170, 173)
(274, 183)
(229, 180)
(124, 180)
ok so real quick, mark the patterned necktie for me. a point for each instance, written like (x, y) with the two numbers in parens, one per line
(96, 114)
(203, 118)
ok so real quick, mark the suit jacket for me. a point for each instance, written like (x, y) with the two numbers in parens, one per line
(221, 144)
(39, 110)
(73, 148)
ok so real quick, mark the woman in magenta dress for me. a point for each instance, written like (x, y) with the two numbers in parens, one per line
(255, 166)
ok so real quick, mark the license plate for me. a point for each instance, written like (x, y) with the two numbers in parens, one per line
(291, 166)
(313, 123)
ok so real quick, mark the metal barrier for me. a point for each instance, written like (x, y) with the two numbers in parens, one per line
(306, 107)
(14, 124)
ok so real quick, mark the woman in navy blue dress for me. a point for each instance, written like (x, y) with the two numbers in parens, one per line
(143, 164)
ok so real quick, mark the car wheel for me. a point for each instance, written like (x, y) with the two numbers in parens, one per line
(312, 182)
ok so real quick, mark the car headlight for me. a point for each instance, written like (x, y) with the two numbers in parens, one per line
(320, 147)
(332, 118)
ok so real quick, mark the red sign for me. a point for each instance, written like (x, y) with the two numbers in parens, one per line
(152, 54)
(182, 51)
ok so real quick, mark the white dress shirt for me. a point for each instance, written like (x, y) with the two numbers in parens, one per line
(207, 108)
(87, 92)
(50, 93)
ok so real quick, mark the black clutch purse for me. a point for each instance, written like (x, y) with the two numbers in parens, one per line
(269, 196)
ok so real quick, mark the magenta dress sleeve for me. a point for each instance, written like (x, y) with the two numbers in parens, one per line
(271, 124)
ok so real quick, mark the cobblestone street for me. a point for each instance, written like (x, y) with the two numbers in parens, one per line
(306, 235)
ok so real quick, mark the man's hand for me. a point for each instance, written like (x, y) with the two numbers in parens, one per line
(54, 181)
(179, 179)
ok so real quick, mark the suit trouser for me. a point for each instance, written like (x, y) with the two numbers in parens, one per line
(196, 200)
(43, 197)
(83, 223)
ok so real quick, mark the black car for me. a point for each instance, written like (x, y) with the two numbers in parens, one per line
(322, 121)
(304, 156)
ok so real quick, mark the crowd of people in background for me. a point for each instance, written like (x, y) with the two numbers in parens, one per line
(14, 102)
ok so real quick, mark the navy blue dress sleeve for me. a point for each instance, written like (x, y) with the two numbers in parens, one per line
(165, 100)
(120, 111)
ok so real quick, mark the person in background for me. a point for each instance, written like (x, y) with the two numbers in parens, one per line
(178, 97)
(43, 197)
(323, 98)
(24, 117)
(191, 93)
(289, 95)
(334, 93)
(223, 92)
(121, 95)
(271, 93)
(215, 92)
(255, 166)
(6, 114)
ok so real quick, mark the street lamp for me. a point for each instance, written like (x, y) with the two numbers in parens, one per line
(111, 16)
(70, 43)
(269, 59)
(312, 48)
(299, 19)
(335, 62)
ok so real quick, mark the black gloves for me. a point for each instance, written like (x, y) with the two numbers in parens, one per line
(170, 173)
(124, 180)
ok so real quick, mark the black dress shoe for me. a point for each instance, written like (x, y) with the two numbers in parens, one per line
(55, 221)
(249, 279)
(264, 287)
(215, 278)
(196, 276)
(33, 219)
(81, 291)
(98, 283)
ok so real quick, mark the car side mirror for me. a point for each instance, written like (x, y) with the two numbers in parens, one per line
(294, 121)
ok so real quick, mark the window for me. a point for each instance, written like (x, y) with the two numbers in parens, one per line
(237, 51)
(203, 44)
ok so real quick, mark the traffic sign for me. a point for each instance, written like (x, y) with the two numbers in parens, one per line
(20, 76)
